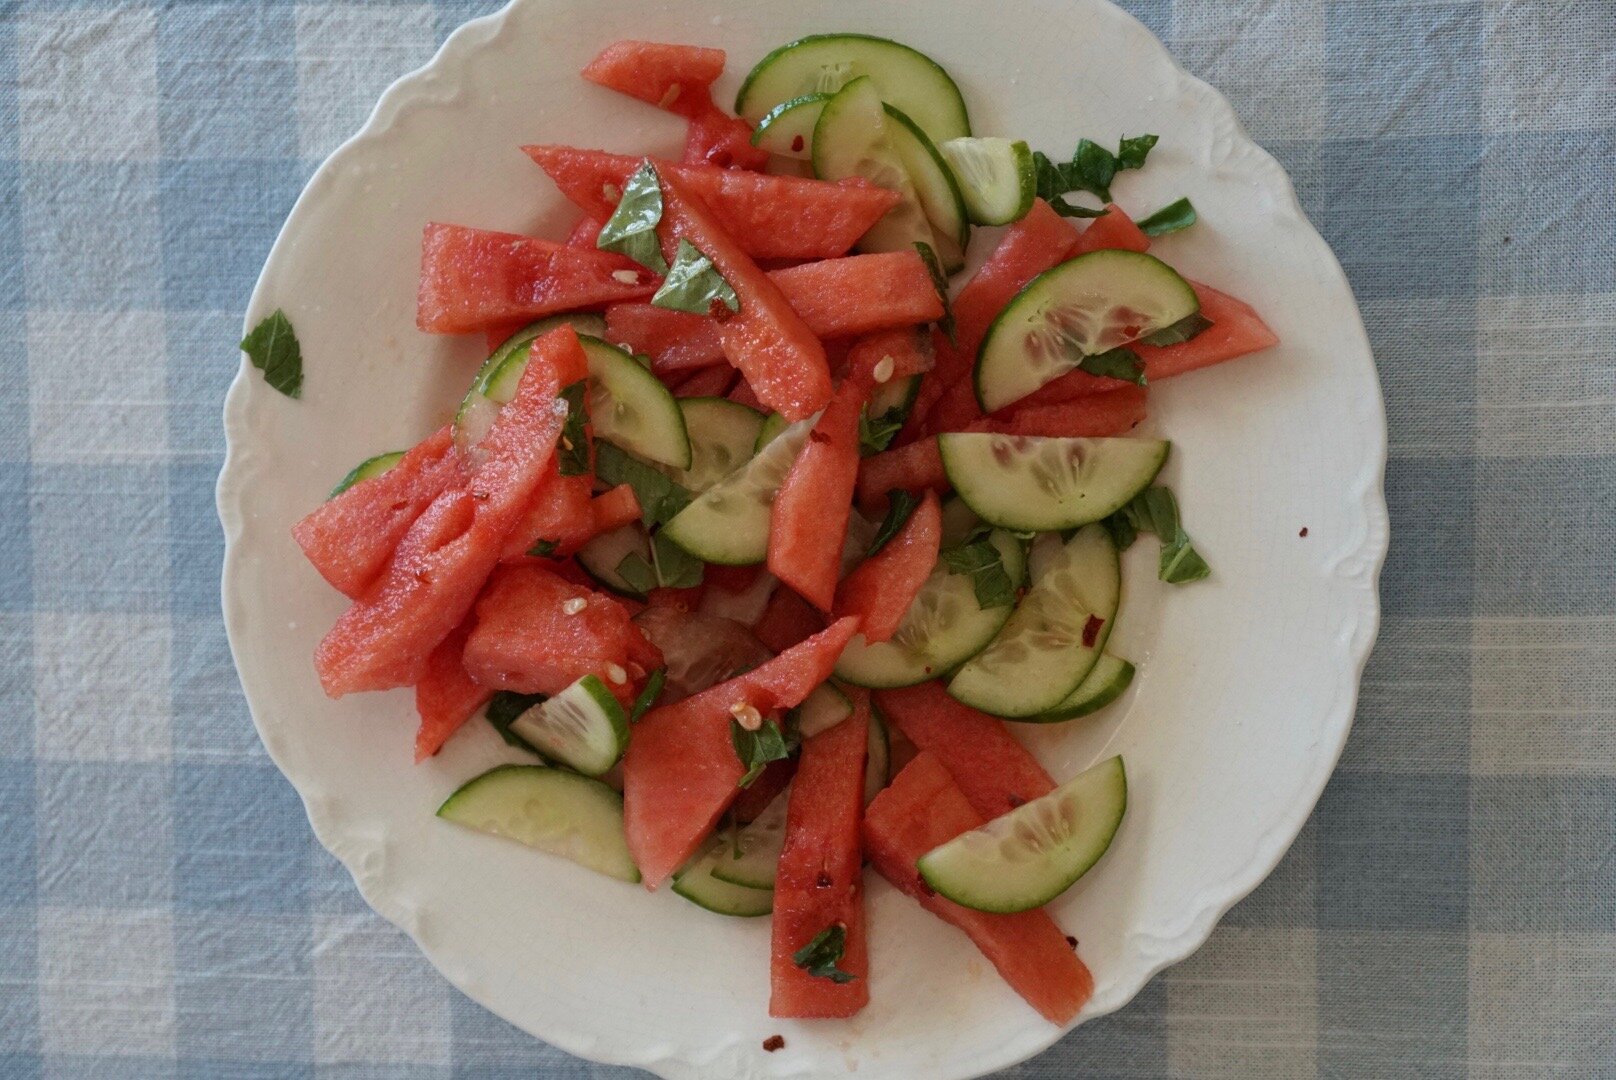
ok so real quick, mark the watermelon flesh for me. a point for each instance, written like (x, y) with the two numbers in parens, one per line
(700, 650)
(586, 233)
(349, 538)
(915, 468)
(432, 580)
(671, 77)
(1096, 416)
(808, 521)
(787, 619)
(781, 217)
(908, 347)
(714, 137)
(774, 779)
(474, 279)
(446, 697)
(924, 807)
(995, 772)
(676, 341)
(860, 294)
(681, 773)
(819, 880)
(881, 588)
(560, 512)
(707, 382)
(1113, 232)
(766, 340)
(1236, 330)
(613, 509)
(528, 639)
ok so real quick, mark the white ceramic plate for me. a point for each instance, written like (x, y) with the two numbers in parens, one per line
(1247, 681)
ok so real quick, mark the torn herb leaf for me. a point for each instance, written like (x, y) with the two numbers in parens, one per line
(820, 956)
(273, 349)
(637, 572)
(877, 432)
(660, 498)
(757, 748)
(572, 449)
(694, 284)
(1092, 169)
(503, 709)
(1155, 510)
(1178, 332)
(981, 561)
(675, 567)
(631, 230)
(1169, 219)
(1121, 363)
(543, 549)
(900, 504)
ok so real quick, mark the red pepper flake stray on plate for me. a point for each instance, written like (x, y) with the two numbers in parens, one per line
(1072, 941)
(774, 1042)
(1303, 533)
(1091, 631)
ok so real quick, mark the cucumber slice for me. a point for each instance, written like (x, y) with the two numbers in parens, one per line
(851, 139)
(1053, 640)
(788, 129)
(583, 727)
(1037, 851)
(1105, 683)
(480, 405)
(939, 193)
(878, 758)
(722, 436)
(1035, 484)
(943, 628)
(600, 556)
(773, 425)
(822, 63)
(371, 466)
(822, 710)
(753, 857)
(996, 177)
(697, 884)
(629, 406)
(1085, 306)
(549, 809)
(729, 522)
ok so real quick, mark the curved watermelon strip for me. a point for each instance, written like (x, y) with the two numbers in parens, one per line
(766, 340)
(786, 217)
(787, 619)
(613, 509)
(585, 233)
(433, 579)
(560, 512)
(915, 468)
(1115, 412)
(671, 77)
(995, 772)
(446, 697)
(1113, 232)
(819, 881)
(349, 539)
(808, 521)
(908, 347)
(676, 341)
(922, 808)
(681, 773)
(1236, 330)
(881, 588)
(474, 279)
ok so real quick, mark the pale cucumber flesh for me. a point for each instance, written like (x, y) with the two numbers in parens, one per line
(552, 810)
(697, 884)
(852, 139)
(787, 130)
(1037, 484)
(729, 522)
(584, 727)
(365, 470)
(996, 177)
(722, 436)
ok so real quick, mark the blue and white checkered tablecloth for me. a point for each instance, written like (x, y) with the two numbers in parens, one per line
(1450, 910)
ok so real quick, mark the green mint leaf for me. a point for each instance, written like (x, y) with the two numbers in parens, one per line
(876, 433)
(1123, 531)
(631, 230)
(1054, 180)
(636, 572)
(1115, 364)
(1131, 153)
(939, 281)
(503, 709)
(694, 284)
(1169, 219)
(572, 449)
(1092, 170)
(981, 561)
(660, 498)
(1155, 510)
(1180, 562)
(676, 568)
(273, 349)
(1179, 332)
(1071, 210)
(819, 957)
(648, 696)
(900, 504)
(543, 549)
(757, 748)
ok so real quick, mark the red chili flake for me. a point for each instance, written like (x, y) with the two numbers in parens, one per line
(796, 144)
(719, 311)
(1091, 631)
(1072, 941)
(1303, 533)
(1015, 801)
(818, 436)
(773, 1043)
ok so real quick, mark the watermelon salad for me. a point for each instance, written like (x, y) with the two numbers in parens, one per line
(757, 533)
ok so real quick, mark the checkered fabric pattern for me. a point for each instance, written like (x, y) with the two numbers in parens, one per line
(1449, 911)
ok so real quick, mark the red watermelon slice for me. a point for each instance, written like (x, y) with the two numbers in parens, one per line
(671, 77)
(1236, 330)
(881, 588)
(446, 697)
(808, 521)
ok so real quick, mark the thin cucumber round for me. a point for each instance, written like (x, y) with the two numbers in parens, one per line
(602, 554)
(787, 130)
(751, 857)
(1085, 306)
(1037, 851)
(943, 628)
(939, 193)
(1057, 632)
(824, 63)
(722, 436)
(584, 727)
(852, 139)
(773, 425)
(365, 470)
(821, 710)
(481, 403)
(877, 758)
(1106, 681)
(697, 884)
(996, 177)
(552, 810)
(1036, 484)
(729, 522)
(629, 406)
